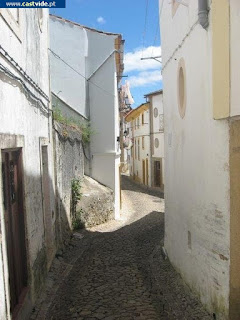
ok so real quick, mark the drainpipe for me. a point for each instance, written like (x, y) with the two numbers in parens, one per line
(203, 13)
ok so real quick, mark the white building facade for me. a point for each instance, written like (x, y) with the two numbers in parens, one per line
(201, 109)
(27, 243)
(86, 65)
(139, 131)
(155, 100)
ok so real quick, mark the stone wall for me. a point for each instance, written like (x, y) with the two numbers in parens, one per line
(69, 165)
(97, 203)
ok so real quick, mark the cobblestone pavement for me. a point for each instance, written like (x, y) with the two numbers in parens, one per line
(116, 270)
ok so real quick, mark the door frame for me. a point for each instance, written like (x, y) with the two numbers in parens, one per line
(11, 143)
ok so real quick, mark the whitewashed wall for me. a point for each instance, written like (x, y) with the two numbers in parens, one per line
(158, 133)
(21, 116)
(69, 42)
(197, 159)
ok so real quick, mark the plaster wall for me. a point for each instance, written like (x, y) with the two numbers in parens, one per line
(70, 42)
(23, 119)
(197, 164)
(104, 114)
(157, 102)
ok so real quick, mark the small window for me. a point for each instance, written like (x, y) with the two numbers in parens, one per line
(181, 88)
(155, 112)
(142, 119)
(143, 143)
(156, 143)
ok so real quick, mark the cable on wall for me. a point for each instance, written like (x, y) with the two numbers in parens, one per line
(81, 75)
(180, 45)
(145, 25)
(22, 72)
(7, 72)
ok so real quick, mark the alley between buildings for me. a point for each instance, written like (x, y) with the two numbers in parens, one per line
(117, 271)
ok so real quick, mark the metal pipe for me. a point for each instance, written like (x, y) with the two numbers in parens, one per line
(203, 13)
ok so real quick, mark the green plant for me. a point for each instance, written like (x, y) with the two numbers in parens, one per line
(83, 127)
(86, 132)
(77, 222)
(76, 196)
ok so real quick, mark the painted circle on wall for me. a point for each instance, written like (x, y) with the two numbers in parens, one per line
(156, 143)
(155, 112)
(181, 79)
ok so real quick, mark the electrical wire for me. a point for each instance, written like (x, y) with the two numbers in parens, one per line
(181, 44)
(28, 91)
(81, 75)
(145, 26)
(156, 33)
(22, 72)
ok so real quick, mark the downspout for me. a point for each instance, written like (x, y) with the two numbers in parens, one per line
(203, 13)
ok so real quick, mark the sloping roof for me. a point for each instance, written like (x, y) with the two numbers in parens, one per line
(82, 26)
(136, 112)
(153, 93)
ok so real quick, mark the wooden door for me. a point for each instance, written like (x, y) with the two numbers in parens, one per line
(157, 173)
(14, 224)
(147, 172)
(143, 171)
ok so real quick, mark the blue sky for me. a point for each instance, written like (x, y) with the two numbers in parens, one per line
(141, 39)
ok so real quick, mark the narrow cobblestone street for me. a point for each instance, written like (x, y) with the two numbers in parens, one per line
(116, 271)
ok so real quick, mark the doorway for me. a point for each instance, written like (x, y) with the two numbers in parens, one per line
(147, 172)
(12, 175)
(143, 171)
(157, 174)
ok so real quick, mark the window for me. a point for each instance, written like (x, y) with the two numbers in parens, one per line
(142, 119)
(143, 143)
(155, 112)
(138, 149)
(138, 122)
(13, 19)
(181, 88)
(156, 143)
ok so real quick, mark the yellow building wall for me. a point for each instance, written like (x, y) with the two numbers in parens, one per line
(221, 58)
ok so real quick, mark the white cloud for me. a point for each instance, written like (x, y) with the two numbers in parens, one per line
(145, 78)
(101, 20)
(133, 62)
